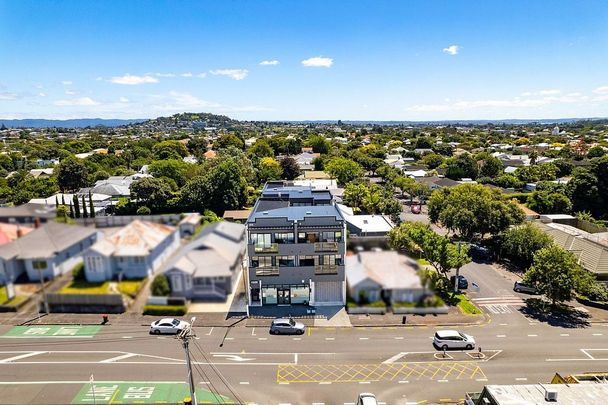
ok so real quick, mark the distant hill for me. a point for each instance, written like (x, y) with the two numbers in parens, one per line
(74, 123)
(192, 120)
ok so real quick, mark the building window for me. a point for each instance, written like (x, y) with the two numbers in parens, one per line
(330, 236)
(269, 295)
(284, 237)
(202, 281)
(261, 261)
(286, 261)
(308, 237)
(300, 294)
(331, 260)
(309, 260)
(261, 239)
(39, 264)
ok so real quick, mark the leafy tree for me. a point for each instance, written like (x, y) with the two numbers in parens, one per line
(197, 146)
(583, 190)
(151, 192)
(290, 168)
(564, 167)
(91, 205)
(100, 175)
(269, 169)
(85, 212)
(171, 168)
(228, 140)
(432, 160)
(463, 166)
(473, 209)
(521, 242)
(169, 150)
(160, 286)
(508, 181)
(546, 202)
(437, 249)
(596, 151)
(555, 272)
(76, 206)
(261, 148)
(344, 170)
(143, 210)
(319, 144)
(72, 174)
(61, 214)
(490, 166)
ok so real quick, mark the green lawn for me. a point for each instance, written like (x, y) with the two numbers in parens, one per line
(130, 287)
(83, 287)
(423, 262)
(465, 305)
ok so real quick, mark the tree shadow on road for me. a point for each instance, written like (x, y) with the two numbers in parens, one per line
(561, 315)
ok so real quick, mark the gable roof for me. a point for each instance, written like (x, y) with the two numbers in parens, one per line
(387, 268)
(45, 241)
(138, 238)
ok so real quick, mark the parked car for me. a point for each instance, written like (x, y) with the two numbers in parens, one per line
(524, 288)
(463, 283)
(367, 399)
(451, 339)
(480, 254)
(168, 326)
(286, 326)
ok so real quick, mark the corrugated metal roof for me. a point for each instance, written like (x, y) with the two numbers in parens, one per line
(588, 394)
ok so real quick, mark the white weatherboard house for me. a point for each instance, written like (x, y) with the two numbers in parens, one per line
(209, 266)
(48, 251)
(135, 251)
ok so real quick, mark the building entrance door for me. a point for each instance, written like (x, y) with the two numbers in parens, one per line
(283, 296)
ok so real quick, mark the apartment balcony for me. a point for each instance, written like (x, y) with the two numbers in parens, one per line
(272, 248)
(267, 271)
(326, 246)
(326, 269)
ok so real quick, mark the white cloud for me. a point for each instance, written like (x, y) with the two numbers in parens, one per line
(549, 92)
(187, 74)
(164, 74)
(123, 100)
(273, 62)
(236, 74)
(42, 94)
(133, 80)
(83, 101)
(601, 90)
(70, 92)
(5, 95)
(99, 78)
(318, 61)
(452, 49)
(66, 82)
(201, 75)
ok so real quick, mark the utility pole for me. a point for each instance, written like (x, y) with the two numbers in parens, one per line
(185, 336)
(45, 301)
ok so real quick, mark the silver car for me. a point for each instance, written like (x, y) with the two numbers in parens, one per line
(367, 399)
(451, 339)
(287, 326)
(168, 326)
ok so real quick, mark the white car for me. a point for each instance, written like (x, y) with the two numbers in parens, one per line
(170, 326)
(367, 399)
(451, 339)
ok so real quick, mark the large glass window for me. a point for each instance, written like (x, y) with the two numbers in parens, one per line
(308, 237)
(269, 295)
(39, 264)
(261, 239)
(309, 260)
(261, 261)
(300, 294)
(286, 237)
(330, 260)
(286, 261)
(331, 236)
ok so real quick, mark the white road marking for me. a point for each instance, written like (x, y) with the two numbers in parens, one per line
(244, 383)
(404, 382)
(325, 383)
(521, 379)
(21, 356)
(364, 382)
(442, 381)
(253, 332)
(295, 358)
(504, 324)
(398, 337)
(297, 338)
(330, 338)
(394, 358)
(363, 338)
(127, 337)
(318, 403)
(262, 338)
(598, 334)
(564, 334)
(283, 383)
(117, 358)
(233, 357)
(501, 336)
(481, 379)
(532, 335)
(210, 330)
(229, 338)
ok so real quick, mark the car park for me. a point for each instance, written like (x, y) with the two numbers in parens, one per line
(286, 326)
(168, 326)
(524, 288)
(452, 339)
(367, 399)
(463, 283)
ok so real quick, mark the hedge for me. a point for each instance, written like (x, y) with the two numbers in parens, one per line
(173, 310)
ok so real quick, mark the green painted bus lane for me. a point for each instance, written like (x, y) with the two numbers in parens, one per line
(143, 393)
(53, 331)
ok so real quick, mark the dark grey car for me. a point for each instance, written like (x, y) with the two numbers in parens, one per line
(524, 288)
(287, 326)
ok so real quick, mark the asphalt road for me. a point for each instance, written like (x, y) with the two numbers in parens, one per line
(324, 366)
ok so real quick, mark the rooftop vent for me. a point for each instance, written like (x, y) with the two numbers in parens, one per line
(550, 394)
(308, 212)
(265, 213)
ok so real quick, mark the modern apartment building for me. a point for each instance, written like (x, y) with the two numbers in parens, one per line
(296, 246)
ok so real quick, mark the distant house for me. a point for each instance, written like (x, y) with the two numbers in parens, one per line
(115, 186)
(415, 173)
(47, 162)
(27, 214)
(10, 232)
(48, 251)
(435, 182)
(313, 174)
(41, 173)
(317, 184)
(135, 251)
(238, 216)
(365, 225)
(187, 226)
(209, 266)
(305, 160)
(210, 154)
(383, 275)
(100, 201)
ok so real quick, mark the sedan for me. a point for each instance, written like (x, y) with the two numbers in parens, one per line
(286, 326)
(524, 288)
(169, 326)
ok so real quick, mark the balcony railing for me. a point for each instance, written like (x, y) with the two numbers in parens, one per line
(267, 271)
(272, 248)
(326, 246)
(326, 269)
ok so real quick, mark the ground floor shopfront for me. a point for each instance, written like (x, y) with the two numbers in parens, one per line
(308, 293)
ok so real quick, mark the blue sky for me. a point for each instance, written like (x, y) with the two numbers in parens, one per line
(362, 60)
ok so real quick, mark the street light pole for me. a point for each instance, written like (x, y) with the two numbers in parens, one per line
(185, 336)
